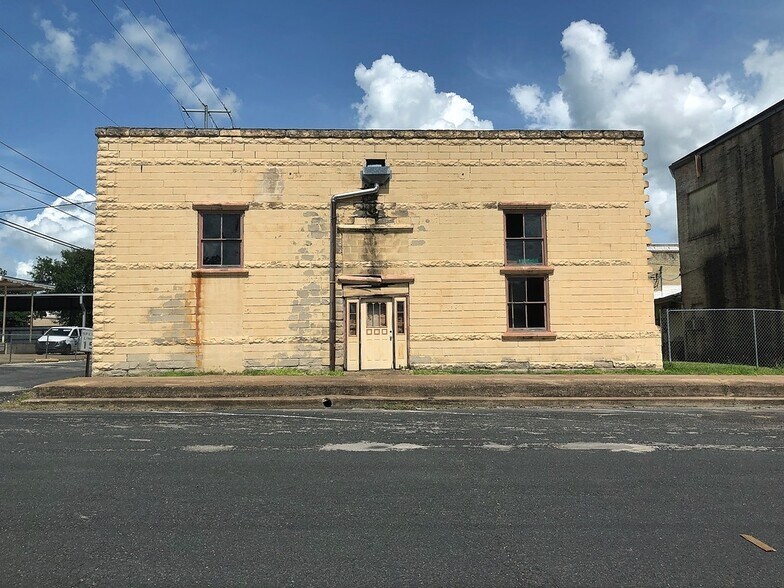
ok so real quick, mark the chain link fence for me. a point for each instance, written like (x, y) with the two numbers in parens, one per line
(734, 335)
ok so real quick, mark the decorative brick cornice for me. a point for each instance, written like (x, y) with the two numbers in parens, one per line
(366, 134)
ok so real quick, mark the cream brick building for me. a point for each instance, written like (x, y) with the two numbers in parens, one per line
(506, 249)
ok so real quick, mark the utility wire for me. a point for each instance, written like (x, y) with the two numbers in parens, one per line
(29, 181)
(185, 122)
(166, 57)
(140, 57)
(41, 165)
(26, 192)
(33, 208)
(69, 86)
(27, 188)
(206, 79)
(30, 231)
(49, 205)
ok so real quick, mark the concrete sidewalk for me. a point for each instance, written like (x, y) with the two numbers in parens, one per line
(400, 388)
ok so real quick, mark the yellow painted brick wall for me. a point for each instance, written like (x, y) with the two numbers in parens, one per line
(153, 312)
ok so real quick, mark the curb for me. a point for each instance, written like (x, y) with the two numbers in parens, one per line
(351, 401)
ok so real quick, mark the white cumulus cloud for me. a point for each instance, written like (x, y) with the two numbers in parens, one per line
(20, 249)
(398, 98)
(106, 58)
(59, 49)
(602, 88)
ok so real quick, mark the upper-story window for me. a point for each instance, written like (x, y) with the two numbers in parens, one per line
(220, 242)
(525, 238)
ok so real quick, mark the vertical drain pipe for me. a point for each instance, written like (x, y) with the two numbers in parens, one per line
(333, 230)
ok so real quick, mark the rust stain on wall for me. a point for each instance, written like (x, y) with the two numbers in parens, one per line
(196, 319)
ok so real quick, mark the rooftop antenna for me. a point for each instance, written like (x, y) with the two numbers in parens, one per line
(207, 112)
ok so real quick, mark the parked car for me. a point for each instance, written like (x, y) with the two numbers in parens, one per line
(63, 340)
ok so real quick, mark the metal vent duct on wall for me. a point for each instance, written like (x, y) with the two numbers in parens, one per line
(375, 172)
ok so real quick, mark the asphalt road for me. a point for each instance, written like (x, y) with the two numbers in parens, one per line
(18, 377)
(600, 497)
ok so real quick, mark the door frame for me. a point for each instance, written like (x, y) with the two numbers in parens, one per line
(392, 299)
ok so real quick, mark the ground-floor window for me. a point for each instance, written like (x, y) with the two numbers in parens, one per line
(526, 302)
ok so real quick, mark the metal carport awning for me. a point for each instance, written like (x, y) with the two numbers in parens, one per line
(18, 286)
(50, 302)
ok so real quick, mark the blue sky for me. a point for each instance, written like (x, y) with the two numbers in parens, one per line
(683, 72)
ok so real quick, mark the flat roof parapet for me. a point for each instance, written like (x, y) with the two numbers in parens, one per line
(367, 133)
(665, 247)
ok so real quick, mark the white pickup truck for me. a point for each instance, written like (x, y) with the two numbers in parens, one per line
(63, 340)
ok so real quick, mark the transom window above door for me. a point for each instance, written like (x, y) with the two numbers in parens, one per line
(376, 315)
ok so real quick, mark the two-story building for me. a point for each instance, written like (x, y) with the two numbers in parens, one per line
(257, 248)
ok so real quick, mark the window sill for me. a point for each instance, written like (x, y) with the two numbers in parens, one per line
(521, 335)
(533, 270)
(213, 272)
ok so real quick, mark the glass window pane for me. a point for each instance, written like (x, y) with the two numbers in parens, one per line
(535, 316)
(533, 224)
(517, 316)
(533, 252)
(514, 225)
(383, 313)
(231, 226)
(211, 226)
(535, 290)
(231, 252)
(211, 253)
(352, 319)
(516, 289)
(401, 317)
(514, 251)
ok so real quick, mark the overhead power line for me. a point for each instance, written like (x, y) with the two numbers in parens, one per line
(203, 75)
(48, 191)
(48, 205)
(69, 86)
(27, 188)
(161, 51)
(31, 208)
(131, 47)
(41, 165)
(30, 231)
(166, 57)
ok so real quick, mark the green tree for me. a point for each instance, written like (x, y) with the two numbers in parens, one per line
(73, 273)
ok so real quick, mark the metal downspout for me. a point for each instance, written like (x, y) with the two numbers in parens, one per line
(333, 229)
